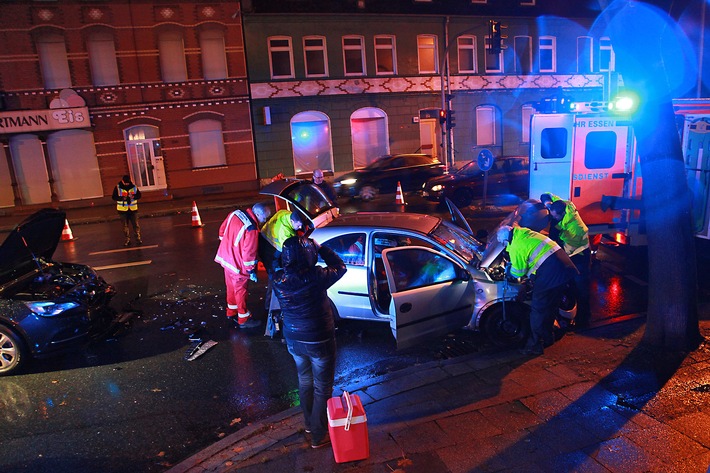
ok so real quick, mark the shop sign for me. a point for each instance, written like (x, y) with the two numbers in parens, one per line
(28, 121)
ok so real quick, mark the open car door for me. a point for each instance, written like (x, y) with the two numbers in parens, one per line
(457, 217)
(431, 294)
(305, 197)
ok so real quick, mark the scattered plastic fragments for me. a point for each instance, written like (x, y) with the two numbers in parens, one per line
(199, 349)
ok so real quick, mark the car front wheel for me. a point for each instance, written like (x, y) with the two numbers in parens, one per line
(463, 197)
(12, 351)
(509, 327)
(368, 193)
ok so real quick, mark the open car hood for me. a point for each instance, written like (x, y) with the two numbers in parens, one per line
(36, 236)
(306, 197)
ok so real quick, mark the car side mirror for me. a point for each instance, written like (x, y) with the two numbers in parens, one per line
(462, 274)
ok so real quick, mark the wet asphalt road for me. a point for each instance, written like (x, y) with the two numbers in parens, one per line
(133, 403)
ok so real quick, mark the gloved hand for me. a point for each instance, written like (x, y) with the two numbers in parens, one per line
(128, 201)
(252, 276)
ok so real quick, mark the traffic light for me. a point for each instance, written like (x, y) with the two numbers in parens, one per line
(442, 116)
(496, 36)
(450, 123)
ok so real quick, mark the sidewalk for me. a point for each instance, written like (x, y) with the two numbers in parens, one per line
(594, 402)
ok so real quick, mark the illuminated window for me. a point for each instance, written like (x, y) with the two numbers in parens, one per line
(548, 54)
(314, 55)
(494, 62)
(354, 55)
(172, 57)
(385, 55)
(206, 143)
(585, 50)
(526, 112)
(467, 54)
(485, 125)
(369, 134)
(102, 57)
(281, 57)
(523, 54)
(53, 61)
(428, 54)
(606, 55)
(214, 58)
(311, 141)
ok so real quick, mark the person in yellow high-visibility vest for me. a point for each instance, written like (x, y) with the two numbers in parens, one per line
(573, 236)
(537, 257)
(126, 195)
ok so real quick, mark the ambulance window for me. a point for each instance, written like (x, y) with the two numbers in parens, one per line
(553, 143)
(600, 150)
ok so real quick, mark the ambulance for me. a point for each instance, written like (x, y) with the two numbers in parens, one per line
(586, 153)
(695, 135)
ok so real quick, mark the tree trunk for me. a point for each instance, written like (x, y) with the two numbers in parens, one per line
(672, 321)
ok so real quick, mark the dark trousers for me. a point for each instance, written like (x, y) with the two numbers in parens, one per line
(131, 217)
(545, 304)
(315, 363)
(582, 261)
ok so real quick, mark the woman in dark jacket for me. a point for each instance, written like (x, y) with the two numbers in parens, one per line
(309, 326)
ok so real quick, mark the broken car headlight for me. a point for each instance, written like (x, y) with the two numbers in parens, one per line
(50, 309)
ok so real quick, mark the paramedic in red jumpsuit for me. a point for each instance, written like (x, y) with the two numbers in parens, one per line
(237, 254)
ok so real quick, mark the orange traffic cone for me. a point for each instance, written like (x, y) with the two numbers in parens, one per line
(67, 235)
(196, 221)
(400, 196)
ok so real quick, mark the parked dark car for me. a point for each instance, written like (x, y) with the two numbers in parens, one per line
(507, 176)
(46, 307)
(382, 175)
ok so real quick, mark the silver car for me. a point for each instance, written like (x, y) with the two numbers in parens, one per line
(421, 274)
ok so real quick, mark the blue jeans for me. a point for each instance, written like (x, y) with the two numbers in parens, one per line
(315, 363)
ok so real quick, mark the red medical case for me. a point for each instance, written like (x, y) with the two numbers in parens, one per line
(347, 425)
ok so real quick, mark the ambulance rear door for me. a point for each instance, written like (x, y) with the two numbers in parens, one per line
(601, 166)
(551, 141)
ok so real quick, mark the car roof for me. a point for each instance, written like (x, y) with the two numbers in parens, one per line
(394, 220)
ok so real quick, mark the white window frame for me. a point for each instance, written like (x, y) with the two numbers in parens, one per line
(280, 49)
(54, 64)
(102, 58)
(527, 3)
(486, 126)
(171, 48)
(468, 49)
(214, 56)
(315, 49)
(552, 48)
(479, 2)
(207, 143)
(518, 60)
(589, 56)
(359, 47)
(391, 47)
(526, 112)
(423, 47)
(489, 56)
(605, 47)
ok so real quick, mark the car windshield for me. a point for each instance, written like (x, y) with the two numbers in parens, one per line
(458, 241)
(469, 168)
(380, 163)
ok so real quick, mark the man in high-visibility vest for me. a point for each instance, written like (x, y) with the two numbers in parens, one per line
(283, 225)
(573, 236)
(537, 257)
(126, 195)
(237, 254)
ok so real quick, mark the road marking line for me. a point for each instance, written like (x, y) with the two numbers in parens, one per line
(123, 265)
(122, 249)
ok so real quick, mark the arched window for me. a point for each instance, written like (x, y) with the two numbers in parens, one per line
(370, 137)
(53, 61)
(312, 142)
(207, 143)
(102, 57)
(214, 58)
(172, 57)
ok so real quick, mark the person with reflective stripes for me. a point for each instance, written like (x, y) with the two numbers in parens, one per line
(237, 254)
(282, 226)
(537, 257)
(126, 196)
(573, 236)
